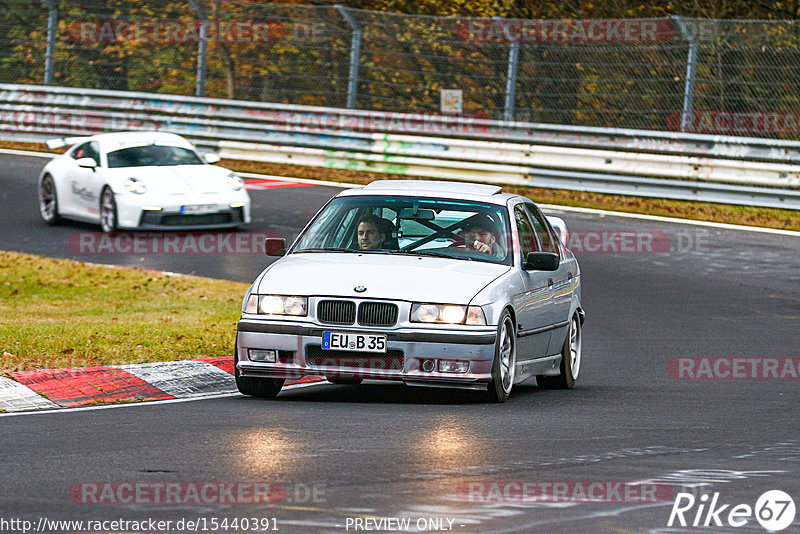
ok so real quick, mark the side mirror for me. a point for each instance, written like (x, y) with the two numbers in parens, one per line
(275, 246)
(541, 261)
(86, 163)
(560, 227)
(212, 158)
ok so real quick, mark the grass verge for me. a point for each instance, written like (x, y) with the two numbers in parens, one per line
(60, 313)
(702, 211)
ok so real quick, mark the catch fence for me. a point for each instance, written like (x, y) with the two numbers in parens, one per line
(677, 74)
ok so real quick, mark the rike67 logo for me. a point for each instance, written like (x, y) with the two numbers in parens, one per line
(774, 510)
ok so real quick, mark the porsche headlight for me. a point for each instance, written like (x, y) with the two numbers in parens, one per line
(277, 305)
(134, 185)
(447, 314)
(234, 182)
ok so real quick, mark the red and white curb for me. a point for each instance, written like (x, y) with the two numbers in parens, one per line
(69, 388)
(258, 183)
(15, 397)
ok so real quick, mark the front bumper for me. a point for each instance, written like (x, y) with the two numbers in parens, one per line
(158, 220)
(150, 214)
(299, 353)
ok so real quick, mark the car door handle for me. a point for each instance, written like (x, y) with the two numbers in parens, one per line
(569, 276)
(549, 282)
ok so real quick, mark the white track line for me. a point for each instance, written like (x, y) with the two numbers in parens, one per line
(27, 153)
(726, 226)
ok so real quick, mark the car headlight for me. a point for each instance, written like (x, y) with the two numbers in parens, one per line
(447, 314)
(276, 305)
(134, 185)
(234, 182)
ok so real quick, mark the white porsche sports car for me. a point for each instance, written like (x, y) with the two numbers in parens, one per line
(140, 180)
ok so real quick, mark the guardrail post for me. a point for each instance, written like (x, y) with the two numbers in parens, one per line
(511, 81)
(202, 50)
(355, 53)
(691, 73)
(49, 57)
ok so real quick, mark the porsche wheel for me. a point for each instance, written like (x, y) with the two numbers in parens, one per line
(48, 201)
(108, 211)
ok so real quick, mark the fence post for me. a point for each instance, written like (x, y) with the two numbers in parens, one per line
(49, 57)
(691, 73)
(511, 81)
(202, 50)
(355, 53)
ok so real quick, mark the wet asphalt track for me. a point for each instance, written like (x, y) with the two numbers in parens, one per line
(385, 451)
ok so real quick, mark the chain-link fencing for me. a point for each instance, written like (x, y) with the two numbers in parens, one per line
(692, 75)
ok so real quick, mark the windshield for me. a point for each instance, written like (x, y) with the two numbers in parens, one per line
(450, 228)
(152, 155)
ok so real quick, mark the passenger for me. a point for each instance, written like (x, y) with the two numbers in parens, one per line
(370, 232)
(479, 234)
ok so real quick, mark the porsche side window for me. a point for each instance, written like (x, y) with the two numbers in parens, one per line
(87, 150)
(81, 151)
(542, 231)
(527, 237)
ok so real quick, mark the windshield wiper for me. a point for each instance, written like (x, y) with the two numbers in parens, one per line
(431, 253)
(332, 249)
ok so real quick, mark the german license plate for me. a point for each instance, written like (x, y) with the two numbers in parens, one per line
(354, 342)
(194, 209)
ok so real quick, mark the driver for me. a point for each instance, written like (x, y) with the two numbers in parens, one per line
(370, 233)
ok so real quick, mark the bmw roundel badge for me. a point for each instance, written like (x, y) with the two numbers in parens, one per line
(359, 289)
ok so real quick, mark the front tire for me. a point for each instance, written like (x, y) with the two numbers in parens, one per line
(570, 360)
(263, 388)
(505, 360)
(108, 211)
(48, 201)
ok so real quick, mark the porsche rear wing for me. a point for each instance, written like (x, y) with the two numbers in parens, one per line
(65, 141)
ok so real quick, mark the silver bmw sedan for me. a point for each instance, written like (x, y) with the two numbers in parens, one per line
(430, 283)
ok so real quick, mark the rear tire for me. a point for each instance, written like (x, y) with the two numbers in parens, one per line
(570, 360)
(263, 388)
(505, 360)
(48, 201)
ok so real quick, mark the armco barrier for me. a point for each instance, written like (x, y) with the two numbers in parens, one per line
(749, 171)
